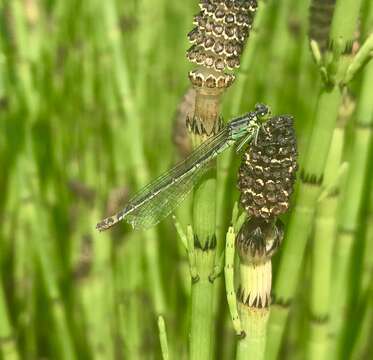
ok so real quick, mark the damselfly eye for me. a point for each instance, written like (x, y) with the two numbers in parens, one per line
(261, 109)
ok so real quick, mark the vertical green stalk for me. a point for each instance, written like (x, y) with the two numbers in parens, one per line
(363, 344)
(204, 209)
(146, 39)
(137, 155)
(39, 229)
(365, 328)
(367, 267)
(280, 45)
(255, 280)
(307, 83)
(22, 36)
(96, 290)
(322, 253)
(24, 266)
(128, 295)
(201, 330)
(163, 338)
(351, 202)
(299, 228)
(63, 339)
(8, 346)
(225, 177)
(311, 174)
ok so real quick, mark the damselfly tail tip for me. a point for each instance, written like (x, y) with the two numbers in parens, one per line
(105, 224)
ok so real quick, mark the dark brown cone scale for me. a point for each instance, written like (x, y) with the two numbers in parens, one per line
(320, 19)
(267, 172)
(222, 27)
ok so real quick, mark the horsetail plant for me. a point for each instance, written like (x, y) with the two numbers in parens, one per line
(266, 178)
(362, 344)
(333, 65)
(364, 120)
(323, 244)
(87, 96)
(8, 346)
(110, 35)
(222, 28)
(350, 209)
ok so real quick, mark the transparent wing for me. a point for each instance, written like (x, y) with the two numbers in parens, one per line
(174, 182)
(160, 206)
(202, 153)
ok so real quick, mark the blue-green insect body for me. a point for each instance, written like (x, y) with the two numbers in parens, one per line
(156, 200)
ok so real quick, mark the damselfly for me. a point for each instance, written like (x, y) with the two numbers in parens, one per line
(159, 198)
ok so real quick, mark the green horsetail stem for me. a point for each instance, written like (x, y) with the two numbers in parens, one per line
(367, 266)
(363, 340)
(25, 268)
(350, 210)
(110, 297)
(95, 290)
(202, 291)
(39, 229)
(8, 347)
(207, 117)
(322, 252)
(254, 279)
(311, 174)
(281, 42)
(38, 224)
(137, 156)
(129, 302)
(163, 338)
(225, 177)
(272, 159)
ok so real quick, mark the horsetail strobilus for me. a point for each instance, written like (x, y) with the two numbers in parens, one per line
(161, 196)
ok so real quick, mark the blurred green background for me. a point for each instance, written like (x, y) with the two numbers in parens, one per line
(89, 92)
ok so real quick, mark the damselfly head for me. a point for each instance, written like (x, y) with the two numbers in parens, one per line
(262, 110)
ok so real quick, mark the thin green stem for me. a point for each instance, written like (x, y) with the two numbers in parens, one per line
(202, 307)
(255, 282)
(163, 338)
(229, 281)
(279, 50)
(365, 54)
(322, 253)
(311, 174)
(365, 328)
(366, 277)
(64, 339)
(201, 330)
(136, 148)
(129, 299)
(351, 203)
(8, 346)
